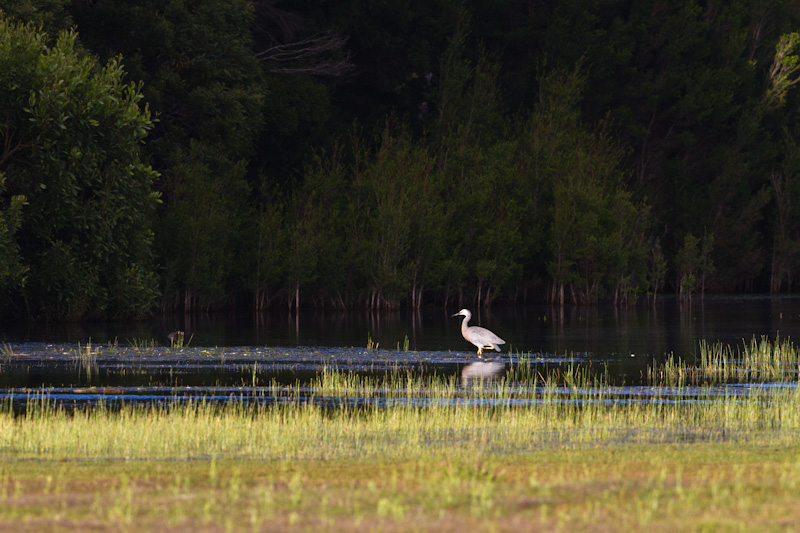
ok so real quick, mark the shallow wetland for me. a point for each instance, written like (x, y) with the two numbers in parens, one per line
(133, 434)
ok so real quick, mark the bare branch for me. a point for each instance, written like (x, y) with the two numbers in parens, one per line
(283, 22)
(329, 67)
(304, 56)
(312, 55)
(314, 45)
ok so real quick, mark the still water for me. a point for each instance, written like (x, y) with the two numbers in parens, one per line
(601, 332)
(241, 356)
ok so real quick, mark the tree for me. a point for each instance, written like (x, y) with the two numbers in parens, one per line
(477, 159)
(73, 132)
(196, 61)
(51, 16)
(267, 244)
(203, 222)
(783, 74)
(404, 190)
(597, 232)
(12, 271)
(316, 244)
(656, 269)
(693, 265)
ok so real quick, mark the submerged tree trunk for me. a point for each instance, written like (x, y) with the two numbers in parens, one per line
(295, 300)
(416, 297)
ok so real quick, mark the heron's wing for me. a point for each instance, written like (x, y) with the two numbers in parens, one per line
(486, 336)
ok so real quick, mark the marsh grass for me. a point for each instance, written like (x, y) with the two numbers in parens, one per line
(756, 361)
(142, 343)
(85, 358)
(371, 345)
(412, 418)
(555, 449)
(405, 345)
(731, 463)
(6, 350)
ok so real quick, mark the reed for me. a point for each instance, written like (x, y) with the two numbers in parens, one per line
(556, 448)
(304, 467)
(756, 361)
(411, 418)
(6, 350)
(141, 344)
(85, 359)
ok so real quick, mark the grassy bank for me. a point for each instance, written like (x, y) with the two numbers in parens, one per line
(658, 487)
(575, 455)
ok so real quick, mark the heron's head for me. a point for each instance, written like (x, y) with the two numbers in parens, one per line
(463, 312)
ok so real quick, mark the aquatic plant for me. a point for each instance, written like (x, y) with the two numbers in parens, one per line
(551, 447)
(142, 343)
(342, 414)
(405, 344)
(85, 359)
(371, 345)
(756, 361)
(6, 350)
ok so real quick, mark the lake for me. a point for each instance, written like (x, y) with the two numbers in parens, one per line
(240, 355)
(602, 331)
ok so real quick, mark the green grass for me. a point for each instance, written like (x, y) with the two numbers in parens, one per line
(437, 457)
(404, 432)
(757, 361)
(661, 488)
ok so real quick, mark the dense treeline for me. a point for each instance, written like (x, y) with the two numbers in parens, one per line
(382, 154)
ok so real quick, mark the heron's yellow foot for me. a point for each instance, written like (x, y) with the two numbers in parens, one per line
(480, 350)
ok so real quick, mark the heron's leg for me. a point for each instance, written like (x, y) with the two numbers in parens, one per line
(480, 350)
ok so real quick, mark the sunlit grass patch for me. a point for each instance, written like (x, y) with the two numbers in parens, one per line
(554, 449)
(629, 487)
(756, 361)
(442, 418)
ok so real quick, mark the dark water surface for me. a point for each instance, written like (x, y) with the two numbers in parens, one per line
(602, 331)
(261, 358)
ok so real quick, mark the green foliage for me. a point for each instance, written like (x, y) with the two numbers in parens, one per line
(479, 153)
(297, 114)
(73, 133)
(783, 73)
(12, 271)
(200, 75)
(311, 242)
(694, 264)
(479, 157)
(656, 269)
(50, 16)
(597, 231)
(205, 220)
(267, 244)
(406, 230)
(785, 219)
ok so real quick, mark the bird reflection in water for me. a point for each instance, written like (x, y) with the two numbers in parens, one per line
(481, 371)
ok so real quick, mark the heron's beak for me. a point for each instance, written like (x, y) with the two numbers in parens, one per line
(457, 314)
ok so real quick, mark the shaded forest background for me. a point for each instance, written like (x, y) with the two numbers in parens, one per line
(161, 154)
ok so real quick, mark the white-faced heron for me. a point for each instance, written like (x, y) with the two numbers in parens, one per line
(480, 337)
